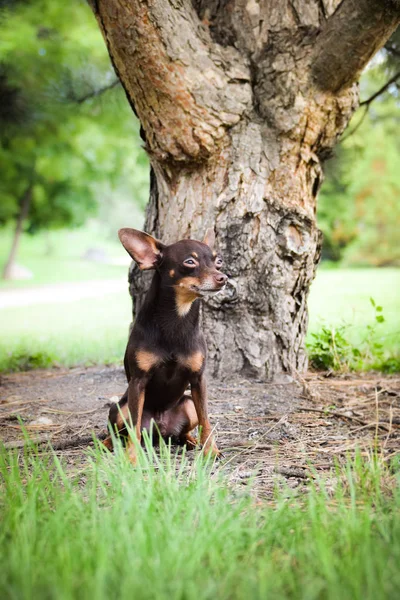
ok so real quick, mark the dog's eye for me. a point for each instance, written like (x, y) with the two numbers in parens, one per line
(218, 262)
(189, 262)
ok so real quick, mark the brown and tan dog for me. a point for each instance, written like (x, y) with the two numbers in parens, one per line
(166, 351)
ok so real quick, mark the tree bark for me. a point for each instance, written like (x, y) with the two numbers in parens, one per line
(353, 35)
(23, 213)
(237, 120)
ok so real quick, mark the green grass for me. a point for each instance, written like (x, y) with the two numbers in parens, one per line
(64, 263)
(342, 296)
(93, 330)
(167, 530)
(87, 331)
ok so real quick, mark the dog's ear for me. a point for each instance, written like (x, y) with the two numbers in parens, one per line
(144, 249)
(209, 238)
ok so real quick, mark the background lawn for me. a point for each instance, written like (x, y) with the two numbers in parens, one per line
(56, 256)
(342, 296)
(88, 331)
(94, 330)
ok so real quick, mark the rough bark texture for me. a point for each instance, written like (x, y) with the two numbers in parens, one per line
(348, 42)
(237, 117)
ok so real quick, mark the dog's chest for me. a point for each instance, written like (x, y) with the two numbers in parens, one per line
(166, 385)
(171, 368)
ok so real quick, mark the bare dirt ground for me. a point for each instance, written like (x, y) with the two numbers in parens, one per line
(282, 432)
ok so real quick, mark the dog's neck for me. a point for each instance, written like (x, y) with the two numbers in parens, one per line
(176, 320)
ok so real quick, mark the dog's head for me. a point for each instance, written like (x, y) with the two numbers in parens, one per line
(192, 268)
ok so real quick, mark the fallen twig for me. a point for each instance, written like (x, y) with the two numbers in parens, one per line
(70, 412)
(327, 412)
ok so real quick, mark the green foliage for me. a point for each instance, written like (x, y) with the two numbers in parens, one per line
(172, 529)
(52, 55)
(388, 365)
(20, 361)
(359, 205)
(342, 295)
(331, 349)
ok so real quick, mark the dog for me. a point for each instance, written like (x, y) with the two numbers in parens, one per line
(166, 351)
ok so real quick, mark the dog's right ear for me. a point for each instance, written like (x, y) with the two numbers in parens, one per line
(209, 238)
(143, 248)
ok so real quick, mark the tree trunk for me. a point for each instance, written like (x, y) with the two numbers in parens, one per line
(23, 213)
(238, 114)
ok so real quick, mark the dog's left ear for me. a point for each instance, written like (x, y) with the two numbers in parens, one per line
(209, 238)
(142, 247)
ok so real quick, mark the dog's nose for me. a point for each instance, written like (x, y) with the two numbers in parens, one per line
(221, 279)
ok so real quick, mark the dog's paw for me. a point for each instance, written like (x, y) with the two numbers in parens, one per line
(108, 444)
(131, 453)
(190, 442)
(211, 449)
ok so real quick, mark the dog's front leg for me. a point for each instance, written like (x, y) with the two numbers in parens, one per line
(199, 397)
(136, 393)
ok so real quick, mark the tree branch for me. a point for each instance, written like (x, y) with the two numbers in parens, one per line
(366, 104)
(381, 90)
(186, 89)
(356, 128)
(350, 38)
(95, 93)
(391, 48)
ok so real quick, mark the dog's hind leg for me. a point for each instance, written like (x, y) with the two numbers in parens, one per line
(117, 417)
(191, 422)
(199, 395)
(181, 421)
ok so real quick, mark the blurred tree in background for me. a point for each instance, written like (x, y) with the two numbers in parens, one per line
(359, 206)
(63, 154)
(65, 157)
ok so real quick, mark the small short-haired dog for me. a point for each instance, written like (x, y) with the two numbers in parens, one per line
(166, 351)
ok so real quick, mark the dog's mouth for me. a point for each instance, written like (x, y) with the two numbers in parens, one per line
(207, 292)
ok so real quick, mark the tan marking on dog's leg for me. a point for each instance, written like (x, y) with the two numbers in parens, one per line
(146, 360)
(123, 415)
(199, 395)
(131, 452)
(130, 446)
(191, 414)
(189, 441)
(194, 362)
(191, 422)
(108, 443)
